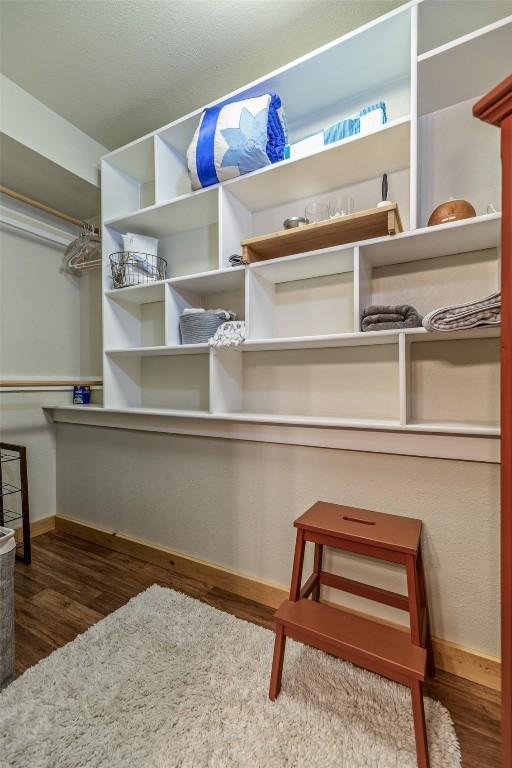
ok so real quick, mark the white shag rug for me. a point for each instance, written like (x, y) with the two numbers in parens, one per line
(167, 681)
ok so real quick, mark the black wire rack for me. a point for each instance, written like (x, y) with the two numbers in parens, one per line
(135, 268)
(18, 509)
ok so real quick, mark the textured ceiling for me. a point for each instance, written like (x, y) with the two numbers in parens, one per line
(118, 69)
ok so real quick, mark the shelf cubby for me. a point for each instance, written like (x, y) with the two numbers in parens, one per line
(429, 283)
(458, 157)
(135, 324)
(159, 381)
(443, 70)
(307, 295)
(128, 179)
(240, 222)
(186, 228)
(334, 167)
(458, 21)
(171, 178)
(337, 383)
(205, 294)
(454, 383)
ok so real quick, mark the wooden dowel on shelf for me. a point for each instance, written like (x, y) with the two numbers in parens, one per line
(62, 383)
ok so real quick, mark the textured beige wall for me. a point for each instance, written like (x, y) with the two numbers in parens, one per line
(50, 321)
(50, 326)
(233, 503)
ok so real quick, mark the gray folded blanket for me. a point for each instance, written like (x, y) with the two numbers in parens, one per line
(486, 311)
(380, 317)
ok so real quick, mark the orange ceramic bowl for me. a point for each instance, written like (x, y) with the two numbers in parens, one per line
(452, 210)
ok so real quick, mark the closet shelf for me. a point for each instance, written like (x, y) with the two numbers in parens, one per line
(215, 281)
(189, 211)
(477, 233)
(8, 489)
(356, 339)
(212, 281)
(146, 293)
(344, 162)
(443, 72)
(369, 338)
(10, 516)
(7, 456)
(178, 349)
(389, 425)
(340, 164)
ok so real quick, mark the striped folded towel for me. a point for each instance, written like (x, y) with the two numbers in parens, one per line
(471, 314)
(365, 121)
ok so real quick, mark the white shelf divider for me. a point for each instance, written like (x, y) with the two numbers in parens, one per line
(362, 286)
(404, 376)
(226, 381)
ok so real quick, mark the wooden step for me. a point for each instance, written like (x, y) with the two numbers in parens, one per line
(393, 532)
(377, 647)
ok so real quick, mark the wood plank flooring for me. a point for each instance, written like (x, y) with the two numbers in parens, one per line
(72, 583)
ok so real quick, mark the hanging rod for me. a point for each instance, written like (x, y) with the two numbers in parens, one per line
(43, 207)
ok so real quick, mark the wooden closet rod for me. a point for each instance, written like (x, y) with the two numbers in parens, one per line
(42, 207)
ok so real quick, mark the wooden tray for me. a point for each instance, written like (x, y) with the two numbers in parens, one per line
(363, 225)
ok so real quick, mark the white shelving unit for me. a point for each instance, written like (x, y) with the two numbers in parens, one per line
(305, 361)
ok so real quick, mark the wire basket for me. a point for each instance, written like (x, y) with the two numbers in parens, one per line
(135, 268)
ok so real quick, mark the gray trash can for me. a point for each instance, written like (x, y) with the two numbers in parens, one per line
(7, 555)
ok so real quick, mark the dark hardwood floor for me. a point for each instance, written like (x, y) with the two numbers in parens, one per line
(72, 583)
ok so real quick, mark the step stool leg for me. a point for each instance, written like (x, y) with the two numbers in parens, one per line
(414, 599)
(420, 730)
(298, 562)
(431, 669)
(317, 567)
(277, 663)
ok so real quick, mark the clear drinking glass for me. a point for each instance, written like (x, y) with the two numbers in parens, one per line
(317, 212)
(341, 205)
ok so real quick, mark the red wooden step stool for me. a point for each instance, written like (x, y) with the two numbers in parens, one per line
(388, 651)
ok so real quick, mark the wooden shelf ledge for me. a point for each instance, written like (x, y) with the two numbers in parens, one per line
(460, 442)
(363, 225)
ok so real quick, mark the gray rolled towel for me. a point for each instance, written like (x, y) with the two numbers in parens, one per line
(385, 317)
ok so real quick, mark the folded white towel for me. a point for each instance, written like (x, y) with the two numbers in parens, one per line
(230, 334)
(471, 314)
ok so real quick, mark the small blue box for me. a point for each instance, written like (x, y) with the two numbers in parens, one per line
(81, 394)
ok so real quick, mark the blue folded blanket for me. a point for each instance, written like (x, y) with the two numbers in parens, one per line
(365, 121)
(235, 138)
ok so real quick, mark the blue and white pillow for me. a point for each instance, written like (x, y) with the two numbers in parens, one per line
(237, 138)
